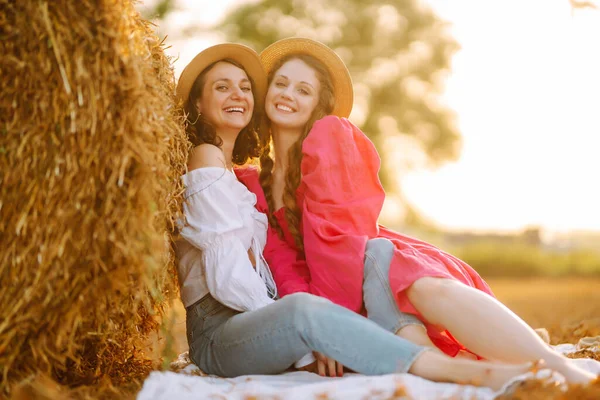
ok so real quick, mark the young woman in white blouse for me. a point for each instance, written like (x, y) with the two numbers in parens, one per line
(234, 325)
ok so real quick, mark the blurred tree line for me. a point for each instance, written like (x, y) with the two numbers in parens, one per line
(398, 53)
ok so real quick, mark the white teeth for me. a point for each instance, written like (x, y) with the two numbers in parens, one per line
(234, 109)
(283, 108)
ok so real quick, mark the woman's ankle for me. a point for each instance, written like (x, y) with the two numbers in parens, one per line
(416, 334)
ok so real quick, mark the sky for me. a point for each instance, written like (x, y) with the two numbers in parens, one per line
(526, 90)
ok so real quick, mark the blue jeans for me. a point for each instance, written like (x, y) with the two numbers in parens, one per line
(379, 301)
(269, 340)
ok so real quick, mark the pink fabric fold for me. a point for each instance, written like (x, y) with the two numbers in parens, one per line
(341, 197)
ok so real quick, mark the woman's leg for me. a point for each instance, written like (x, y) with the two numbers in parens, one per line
(379, 300)
(486, 326)
(270, 339)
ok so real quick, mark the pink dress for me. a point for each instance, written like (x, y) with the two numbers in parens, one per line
(340, 196)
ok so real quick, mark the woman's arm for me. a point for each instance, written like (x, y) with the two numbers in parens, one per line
(288, 266)
(341, 201)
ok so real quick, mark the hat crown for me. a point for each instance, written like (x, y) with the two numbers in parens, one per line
(340, 76)
(244, 55)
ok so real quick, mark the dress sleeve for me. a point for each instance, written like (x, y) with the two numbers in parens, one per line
(288, 266)
(341, 201)
(214, 225)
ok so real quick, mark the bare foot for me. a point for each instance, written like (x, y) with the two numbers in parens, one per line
(571, 372)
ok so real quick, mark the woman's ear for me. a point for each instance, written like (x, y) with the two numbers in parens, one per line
(199, 106)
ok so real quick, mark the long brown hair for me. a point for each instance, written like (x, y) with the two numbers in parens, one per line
(199, 130)
(293, 214)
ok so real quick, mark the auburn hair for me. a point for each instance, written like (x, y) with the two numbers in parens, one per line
(292, 213)
(199, 130)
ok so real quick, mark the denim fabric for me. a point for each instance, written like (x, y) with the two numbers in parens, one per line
(229, 343)
(379, 301)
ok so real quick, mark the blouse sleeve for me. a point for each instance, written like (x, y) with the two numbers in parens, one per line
(342, 199)
(213, 225)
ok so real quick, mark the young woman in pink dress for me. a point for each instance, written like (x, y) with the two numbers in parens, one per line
(323, 197)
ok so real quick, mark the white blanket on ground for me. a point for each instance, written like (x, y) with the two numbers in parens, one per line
(304, 385)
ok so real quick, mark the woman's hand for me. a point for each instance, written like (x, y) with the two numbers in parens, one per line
(324, 366)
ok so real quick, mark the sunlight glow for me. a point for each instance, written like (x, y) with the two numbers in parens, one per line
(526, 88)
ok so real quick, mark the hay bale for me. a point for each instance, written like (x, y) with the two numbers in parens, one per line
(91, 149)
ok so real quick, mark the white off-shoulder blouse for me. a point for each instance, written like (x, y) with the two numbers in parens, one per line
(221, 227)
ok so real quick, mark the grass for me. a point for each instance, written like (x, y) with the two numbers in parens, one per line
(569, 308)
(525, 260)
(564, 306)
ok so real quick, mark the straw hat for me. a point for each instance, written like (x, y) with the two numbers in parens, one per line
(342, 82)
(244, 55)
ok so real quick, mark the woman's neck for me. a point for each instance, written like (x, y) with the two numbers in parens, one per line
(228, 139)
(283, 140)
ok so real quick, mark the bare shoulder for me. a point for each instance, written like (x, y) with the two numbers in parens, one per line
(206, 155)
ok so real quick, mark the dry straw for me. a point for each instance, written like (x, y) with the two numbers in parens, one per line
(91, 149)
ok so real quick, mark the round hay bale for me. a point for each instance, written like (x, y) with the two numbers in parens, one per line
(91, 150)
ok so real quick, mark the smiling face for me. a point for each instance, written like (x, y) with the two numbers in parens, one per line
(226, 101)
(293, 95)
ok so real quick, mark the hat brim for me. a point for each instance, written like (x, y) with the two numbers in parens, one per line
(340, 76)
(244, 55)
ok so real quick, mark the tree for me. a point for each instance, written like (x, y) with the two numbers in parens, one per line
(398, 53)
(157, 9)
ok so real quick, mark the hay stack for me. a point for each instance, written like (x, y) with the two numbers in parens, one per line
(91, 149)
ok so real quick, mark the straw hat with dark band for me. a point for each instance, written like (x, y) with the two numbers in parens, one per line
(342, 82)
(244, 55)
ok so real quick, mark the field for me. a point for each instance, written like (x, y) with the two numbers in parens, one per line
(568, 307)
